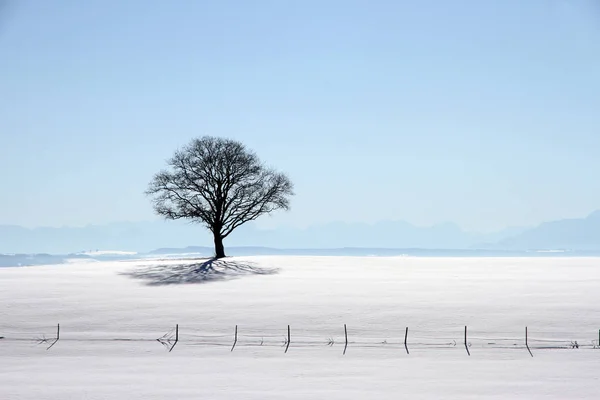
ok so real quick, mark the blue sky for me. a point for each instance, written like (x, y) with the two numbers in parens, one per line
(485, 113)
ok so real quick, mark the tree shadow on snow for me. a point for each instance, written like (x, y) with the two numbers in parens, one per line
(203, 272)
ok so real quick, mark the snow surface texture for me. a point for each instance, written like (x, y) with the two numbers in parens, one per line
(111, 314)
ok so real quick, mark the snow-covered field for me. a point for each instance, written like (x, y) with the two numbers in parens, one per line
(111, 314)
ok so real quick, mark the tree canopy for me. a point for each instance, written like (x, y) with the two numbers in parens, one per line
(219, 183)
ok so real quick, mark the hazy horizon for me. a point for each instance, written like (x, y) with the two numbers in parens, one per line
(580, 234)
(268, 225)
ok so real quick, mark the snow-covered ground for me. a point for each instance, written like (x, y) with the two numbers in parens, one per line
(112, 313)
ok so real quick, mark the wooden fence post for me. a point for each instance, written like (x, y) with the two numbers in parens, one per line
(527, 342)
(234, 339)
(466, 345)
(176, 337)
(57, 337)
(289, 339)
(345, 334)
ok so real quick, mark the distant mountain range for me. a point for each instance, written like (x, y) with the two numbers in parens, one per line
(124, 236)
(569, 234)
(573, 234)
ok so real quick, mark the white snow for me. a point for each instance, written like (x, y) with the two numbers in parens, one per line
(377, 298)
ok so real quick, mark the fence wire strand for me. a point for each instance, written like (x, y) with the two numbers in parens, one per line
(301, 338)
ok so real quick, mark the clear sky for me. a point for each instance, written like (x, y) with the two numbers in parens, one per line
(484, 113)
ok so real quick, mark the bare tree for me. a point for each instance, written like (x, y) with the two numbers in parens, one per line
(219, 183)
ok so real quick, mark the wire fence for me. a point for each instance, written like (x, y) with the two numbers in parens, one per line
(343, 338)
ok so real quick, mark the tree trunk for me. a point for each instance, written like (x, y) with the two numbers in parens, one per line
(219, 249)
